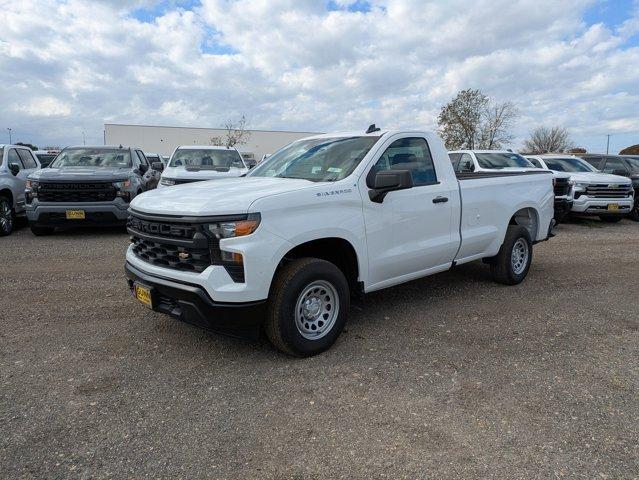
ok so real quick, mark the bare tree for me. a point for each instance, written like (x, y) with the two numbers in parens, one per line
(498, 119)
(236, 134)
(633, 150)
(548, 140)
(472, 120)
(577, 150)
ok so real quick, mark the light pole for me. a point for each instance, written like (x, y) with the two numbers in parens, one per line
(84, 138)
(10, 142)
(607, 143)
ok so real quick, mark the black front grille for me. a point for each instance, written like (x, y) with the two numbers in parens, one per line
(181, 246)
(77, 192)
(605, 190)
(562, 187)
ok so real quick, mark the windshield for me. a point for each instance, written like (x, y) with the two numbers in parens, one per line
(93, 158)
(206, 159)
(1, 155)
(317, 160)
(502, 160)
(45, 158)
(568, 165)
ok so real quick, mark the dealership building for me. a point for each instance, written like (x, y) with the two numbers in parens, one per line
(163, 140)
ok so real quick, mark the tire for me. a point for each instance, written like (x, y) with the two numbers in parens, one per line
(39, 231)
(610, 219)
(634, 214)
(7, 216)
(325, 289)
(503, 268)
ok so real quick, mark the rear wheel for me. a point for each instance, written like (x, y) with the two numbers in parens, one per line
(7, 216)
(610, 219)
(510, 266)
(39, 231)
(308, 307)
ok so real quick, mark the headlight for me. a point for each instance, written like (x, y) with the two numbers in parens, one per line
(235, 228)
(167, 182)
(32, 185)
(122, 185)
(578, 185)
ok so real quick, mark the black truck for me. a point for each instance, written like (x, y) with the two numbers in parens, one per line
(88, 186)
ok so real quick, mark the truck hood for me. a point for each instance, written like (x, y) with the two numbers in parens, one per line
(596, 177)
(81, 174)
(226, 196)
(182, 173)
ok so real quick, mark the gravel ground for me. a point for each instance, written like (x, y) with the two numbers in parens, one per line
(451, 376)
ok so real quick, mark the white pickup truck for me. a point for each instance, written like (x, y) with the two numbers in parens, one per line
(322, 219)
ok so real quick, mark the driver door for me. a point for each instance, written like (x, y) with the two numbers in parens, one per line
(410, 231)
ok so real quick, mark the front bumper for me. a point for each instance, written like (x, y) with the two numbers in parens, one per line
(585, 205)
(96, 213)
(191, 304)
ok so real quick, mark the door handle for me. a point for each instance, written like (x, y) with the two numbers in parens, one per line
(440, 199)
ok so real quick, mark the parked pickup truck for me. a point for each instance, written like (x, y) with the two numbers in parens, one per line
(610, 197)
(622, 165)
(87, 186)
(194, 163)
(16, 163)
(322, 219)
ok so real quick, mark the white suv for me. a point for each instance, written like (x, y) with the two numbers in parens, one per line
(196, 163)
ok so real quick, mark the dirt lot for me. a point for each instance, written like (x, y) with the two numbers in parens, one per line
(449, 376)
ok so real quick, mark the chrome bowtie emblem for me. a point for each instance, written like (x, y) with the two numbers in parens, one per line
(183, 255)
(614, 186)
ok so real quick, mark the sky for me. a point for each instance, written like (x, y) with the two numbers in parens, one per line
(68, 67)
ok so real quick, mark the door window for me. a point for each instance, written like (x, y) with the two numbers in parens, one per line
(143, 160)
(410, 154)
(466, 163)
(535, 162)
(27, 159)
(454, 159)
(616, 166)
(14, 159)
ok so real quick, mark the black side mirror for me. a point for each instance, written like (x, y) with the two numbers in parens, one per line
(251, 163)
(389, 181)
(621, 172)
(157, 166)
(143, 168)
(15, 169)
(466, 167)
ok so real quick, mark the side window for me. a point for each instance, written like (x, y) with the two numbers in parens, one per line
(535, 162)
(616, 166)
(409, 154)
(143, 160)
(14, 159)
(27, 158)
(466, 163)
(594, 161)
(454, 159)
(237, 162)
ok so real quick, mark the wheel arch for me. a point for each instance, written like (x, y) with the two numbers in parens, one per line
(527, 217)
(337, 250)
(6, 192)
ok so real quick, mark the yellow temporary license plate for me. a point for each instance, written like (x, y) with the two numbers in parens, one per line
(75, 215)
(143, 294)
(613, 206)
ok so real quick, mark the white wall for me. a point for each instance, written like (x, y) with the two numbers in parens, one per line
(163, 140)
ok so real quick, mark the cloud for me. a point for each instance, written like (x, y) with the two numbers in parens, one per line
(308, 65)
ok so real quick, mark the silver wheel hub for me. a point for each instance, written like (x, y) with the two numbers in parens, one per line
(316, 310)
(519, 256)
(6, 218)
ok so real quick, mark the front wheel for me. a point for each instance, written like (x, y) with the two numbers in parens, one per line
(510, 266)
(308, 307)
(634, 214)
(7, 217)
(610, 219)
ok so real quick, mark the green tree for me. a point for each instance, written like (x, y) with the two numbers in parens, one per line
(471, 120)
